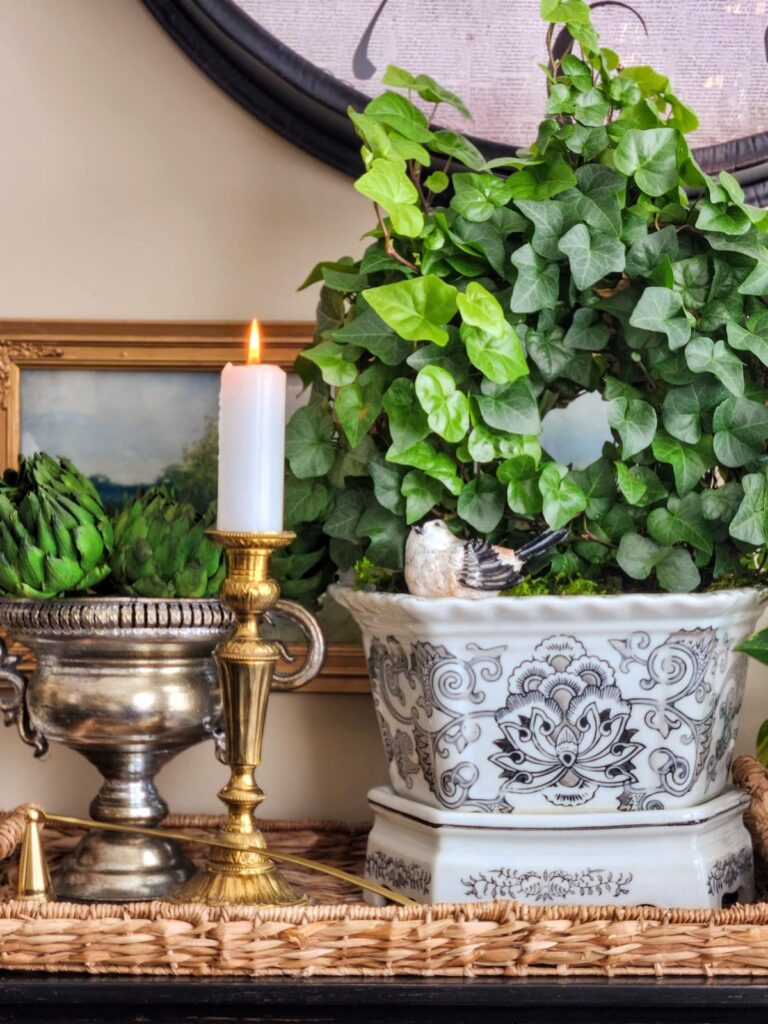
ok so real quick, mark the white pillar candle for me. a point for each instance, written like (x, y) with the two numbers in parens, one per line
(251, 444)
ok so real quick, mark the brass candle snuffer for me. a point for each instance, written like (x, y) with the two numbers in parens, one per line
(34, 884)
(240, 869)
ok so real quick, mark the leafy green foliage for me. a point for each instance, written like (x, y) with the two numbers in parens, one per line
(494, 291)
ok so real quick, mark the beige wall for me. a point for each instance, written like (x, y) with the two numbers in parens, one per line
(131, 187)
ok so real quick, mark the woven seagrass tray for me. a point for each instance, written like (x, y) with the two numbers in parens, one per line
(341, 936)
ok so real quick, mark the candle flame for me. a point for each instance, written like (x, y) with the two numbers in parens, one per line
(254, 343)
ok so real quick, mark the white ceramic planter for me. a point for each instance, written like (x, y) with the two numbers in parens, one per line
(627, 702)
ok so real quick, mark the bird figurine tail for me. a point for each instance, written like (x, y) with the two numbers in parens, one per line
(540, 544)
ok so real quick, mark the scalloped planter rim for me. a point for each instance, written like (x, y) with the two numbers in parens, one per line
(621, 702)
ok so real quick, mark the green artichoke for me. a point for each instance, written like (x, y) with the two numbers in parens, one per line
(161, 549)
(55, 535)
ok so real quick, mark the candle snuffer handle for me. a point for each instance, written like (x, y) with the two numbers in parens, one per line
(237, 870)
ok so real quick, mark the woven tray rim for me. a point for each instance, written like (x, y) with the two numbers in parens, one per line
(451, 939)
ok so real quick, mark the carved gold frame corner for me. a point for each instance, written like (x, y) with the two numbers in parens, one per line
(147, 345)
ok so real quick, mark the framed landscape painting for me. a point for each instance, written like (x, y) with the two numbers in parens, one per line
(134, 405)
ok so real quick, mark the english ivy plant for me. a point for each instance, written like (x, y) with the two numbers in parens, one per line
(600, 259)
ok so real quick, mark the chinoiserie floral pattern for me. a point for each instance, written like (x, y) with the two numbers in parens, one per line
(553, 886)
(637, 722)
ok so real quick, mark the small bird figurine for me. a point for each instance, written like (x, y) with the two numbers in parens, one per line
(438, 564)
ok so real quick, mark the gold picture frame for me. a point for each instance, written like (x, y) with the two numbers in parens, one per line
(147, 345)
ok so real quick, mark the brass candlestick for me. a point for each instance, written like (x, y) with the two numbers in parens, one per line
(237, 872)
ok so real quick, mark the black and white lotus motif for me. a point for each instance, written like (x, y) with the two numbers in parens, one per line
(564, 726)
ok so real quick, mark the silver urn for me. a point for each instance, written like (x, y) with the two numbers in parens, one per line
(129, 683)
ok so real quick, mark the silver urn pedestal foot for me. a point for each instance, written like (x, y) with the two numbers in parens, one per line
(129, 683)
(103, 863)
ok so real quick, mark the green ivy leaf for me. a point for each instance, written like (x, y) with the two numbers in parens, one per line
(741, 431)
(480, 308)
(661, 310)
(591, 107)
(681, 522)
(447, 409)
(421, 493)
(577, 71)
(343, 520)
(499, 356)
(756, 647)
(639, 556)
(429, 90)
(461, 149)
(387, 481)
(747, 341)
(437, 464)
(397, 112)
(542, 181)
(387, 183)
(587, 331)
(417, 309)
(751, 520)
(509, 407)
(683, 407)
(398, 77)
(598, 199)
(706, 356)
(369, 331)
(407, 420)
(309, 442)
(537, 283)
(476, 196)
(723, 217)
(587, 142)
(554, 358)
(624, 92)
(357, 409)
(634, 421)
(305, 501)
(353, 462)
(650, 156)
(689, 462)
(639, 485)
(492, 344)
(550, 221)
(691, 280)
(387, 533)
(645, 252)
(481, 503)
(437, 182)
(562, 500)
(520, 474)
(598, 485)
(332, 359)
(347, 270)
(750, 523)
(377, 138)
(720, 503)
(592, 255)
(560, 11)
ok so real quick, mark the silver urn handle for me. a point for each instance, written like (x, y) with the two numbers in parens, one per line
(315, 655)
(14, 707)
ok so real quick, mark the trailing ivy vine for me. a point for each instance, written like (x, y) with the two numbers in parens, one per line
(600, 259)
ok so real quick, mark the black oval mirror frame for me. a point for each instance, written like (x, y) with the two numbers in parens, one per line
(308, 106)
